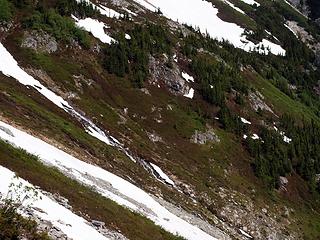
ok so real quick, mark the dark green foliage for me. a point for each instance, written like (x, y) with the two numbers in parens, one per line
(273, 157)
(230, 121)
(216, 78)
(5, 10)
(132, 57)
(62, 28)
(80, 9)
(13, 226)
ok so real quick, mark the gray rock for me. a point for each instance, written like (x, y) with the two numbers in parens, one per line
(7, 131)
(204, 137)
(39, 41)
(161, 74)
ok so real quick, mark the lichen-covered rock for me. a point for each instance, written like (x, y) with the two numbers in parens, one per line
(39, 41)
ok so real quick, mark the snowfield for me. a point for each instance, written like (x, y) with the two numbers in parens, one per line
(104, 182)
(73, 226)
(95, 27)
(203, 15)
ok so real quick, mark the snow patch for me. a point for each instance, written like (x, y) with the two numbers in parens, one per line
(245, 234)
(127, 36)
(294, 33)
(105, 183)
(251, 2)
(255, 136)
(233, 6)
(187, 77)
(95, 27)
(190, 94)
(161, 174)
(203, 15)
(73, 226)
(245, 121)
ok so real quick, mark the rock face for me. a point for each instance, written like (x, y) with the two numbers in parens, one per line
(256, 102)
(204, 137)
(161, 74)
(39, 41)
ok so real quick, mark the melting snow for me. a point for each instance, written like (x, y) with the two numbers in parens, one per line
(106, 183)
(187, 77)
(190, 94)
(203, 14)
(245, 121)
(95, 27)
(251, 2)
(162, 174)
(233, 6)
(72, 225)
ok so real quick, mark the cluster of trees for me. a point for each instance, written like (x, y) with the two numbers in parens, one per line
(216, 78)
(132, 56)
(80, 9)
(273, 157)
(62, 28)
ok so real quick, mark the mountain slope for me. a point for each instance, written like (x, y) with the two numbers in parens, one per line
(149, 127)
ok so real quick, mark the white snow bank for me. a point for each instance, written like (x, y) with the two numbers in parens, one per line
(203, 14)
(190, 94)
(104, 182)
(251, 2)
(245, 121)
(233, 6)
(161, 174)
(187, 77)
(95, 27)
(73, 226)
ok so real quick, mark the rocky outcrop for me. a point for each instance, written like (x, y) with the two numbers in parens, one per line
(39, 41)
(257, 102)
(162, 74)
(204, 137)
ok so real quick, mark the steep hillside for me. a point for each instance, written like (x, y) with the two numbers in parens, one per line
(135, 119)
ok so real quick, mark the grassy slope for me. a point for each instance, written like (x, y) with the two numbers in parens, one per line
(81, 198)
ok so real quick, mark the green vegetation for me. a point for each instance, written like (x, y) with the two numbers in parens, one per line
(132, 225)
(14, 226)
(62, 28)
(81, 9)
(5, 10)
(132, 56)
